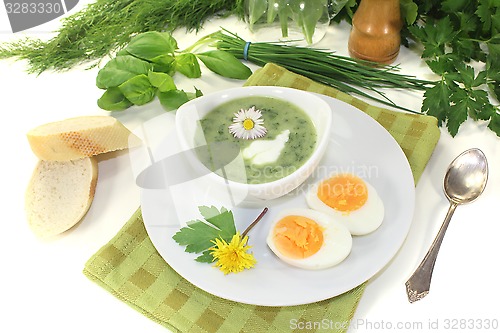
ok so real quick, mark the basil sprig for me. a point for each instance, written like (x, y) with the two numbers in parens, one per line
(144, 69)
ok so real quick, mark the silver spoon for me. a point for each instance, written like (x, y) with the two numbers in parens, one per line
(464, 181)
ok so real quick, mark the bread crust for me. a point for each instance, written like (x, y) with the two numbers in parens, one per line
(79, 137)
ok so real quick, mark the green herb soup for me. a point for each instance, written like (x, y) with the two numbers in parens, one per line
(279, 116)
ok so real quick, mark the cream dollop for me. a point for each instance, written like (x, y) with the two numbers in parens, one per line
(261, 152)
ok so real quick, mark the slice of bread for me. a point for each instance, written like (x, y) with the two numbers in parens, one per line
(59, 195)
(79, 137)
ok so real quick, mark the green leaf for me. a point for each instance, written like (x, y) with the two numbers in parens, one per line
(138, 90)
(197, 236)
(172, 99)
(484, 14)
(465, 103)
(121, 69)
(459, 112)
(466, 49)
(495, 89)
(436, 101)
(454, 6)
(409, 11)
(494, 123)
(336, 6)
(162, 81)
(480, 79)
(434, 36)
(441, 65)
(464, 74)
(113, 100)
(225, 64)
(164, 63)
(122, 52)
(256, 8)
(222, 219)
(307, 15)
(205, 257)
(152, 44)
(445, 31)
(198, 92)
(468, 21)
(484, 110)
(494, 50)
(495, 21)
(187, 64)
(272, 13)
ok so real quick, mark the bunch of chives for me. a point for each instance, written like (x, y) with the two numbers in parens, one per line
(343, 73)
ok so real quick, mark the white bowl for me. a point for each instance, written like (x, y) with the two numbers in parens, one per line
(187, 124)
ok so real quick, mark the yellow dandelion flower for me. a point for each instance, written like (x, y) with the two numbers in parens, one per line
(232, 257)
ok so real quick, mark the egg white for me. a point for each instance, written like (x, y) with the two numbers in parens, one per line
(337, 241)
(362, 221)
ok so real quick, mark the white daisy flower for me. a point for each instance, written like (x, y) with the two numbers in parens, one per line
(247, 124)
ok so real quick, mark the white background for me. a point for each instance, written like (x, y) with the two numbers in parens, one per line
(44, 290)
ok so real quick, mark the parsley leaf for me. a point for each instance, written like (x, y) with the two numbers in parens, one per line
(458, 111)
(485, 13)
(197, 236)
(494, 123)
(409, 11)
(454, 5)
(436, 101)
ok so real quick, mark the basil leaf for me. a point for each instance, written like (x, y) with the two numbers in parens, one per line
(162, 81)
(121, 69)
(225, 64)
(122, 52)
(172, 99)
(113, 100)
(164, 63)
(187, 64)
(138, 90)
(197, 93)
(151, 44)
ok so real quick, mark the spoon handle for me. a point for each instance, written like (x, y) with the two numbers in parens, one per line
(417, 286)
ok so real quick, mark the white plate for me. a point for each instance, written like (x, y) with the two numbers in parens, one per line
(357, 144)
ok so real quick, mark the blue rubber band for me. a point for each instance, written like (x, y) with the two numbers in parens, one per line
(245, 50)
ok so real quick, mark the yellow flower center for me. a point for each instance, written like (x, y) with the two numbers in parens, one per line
(248, 124)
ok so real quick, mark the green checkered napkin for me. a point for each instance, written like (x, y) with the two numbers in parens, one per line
(131, 269)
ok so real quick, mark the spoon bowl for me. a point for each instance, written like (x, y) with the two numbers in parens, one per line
(464, 182)
(466, 177)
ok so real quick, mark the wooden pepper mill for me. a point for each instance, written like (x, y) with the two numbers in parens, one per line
(376, 31)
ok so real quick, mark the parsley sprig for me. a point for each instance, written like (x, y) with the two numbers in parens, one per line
(461, 44)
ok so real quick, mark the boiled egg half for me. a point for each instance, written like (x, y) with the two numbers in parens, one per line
(309, 239)
(350, 200)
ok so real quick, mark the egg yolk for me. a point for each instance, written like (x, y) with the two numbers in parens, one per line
(344, 193)
(298, 237)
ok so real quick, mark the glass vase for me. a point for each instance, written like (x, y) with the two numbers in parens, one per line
(301, 22)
